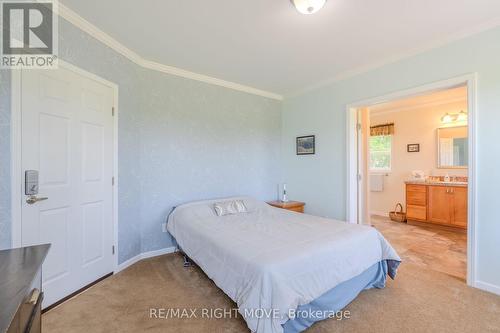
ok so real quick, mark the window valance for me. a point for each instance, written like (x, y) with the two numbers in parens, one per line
(384, 129)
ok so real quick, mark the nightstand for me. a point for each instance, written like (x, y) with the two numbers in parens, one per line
(295, 206)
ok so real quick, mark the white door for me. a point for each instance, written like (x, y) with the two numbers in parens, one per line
(67, 136)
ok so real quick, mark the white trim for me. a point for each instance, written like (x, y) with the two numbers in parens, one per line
(116, 178)
(128, 263)
(15, 159)
(488, 287)
(109, 41)
(472, 186)
(207, 79)
(160, 252)
(144, 255)
(471, 81)
(84, 25)
(352, 162)
(398, 57)
(16, 148)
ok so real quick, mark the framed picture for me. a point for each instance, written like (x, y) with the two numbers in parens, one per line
(306, 145)
(413, 148)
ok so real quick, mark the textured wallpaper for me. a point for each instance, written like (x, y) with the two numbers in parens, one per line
(179, 140)
(82, 50)
(201, 141)
(5, 227)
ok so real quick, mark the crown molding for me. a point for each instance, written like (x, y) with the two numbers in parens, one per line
(491, 24)
(207, 79)
(84, 25)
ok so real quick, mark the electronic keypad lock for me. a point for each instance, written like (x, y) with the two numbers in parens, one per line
(31, 182)
(31, 187)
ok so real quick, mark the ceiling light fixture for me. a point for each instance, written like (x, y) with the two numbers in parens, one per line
(308, 6)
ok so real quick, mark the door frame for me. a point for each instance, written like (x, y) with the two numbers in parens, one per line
(16, 154)
(353, 178)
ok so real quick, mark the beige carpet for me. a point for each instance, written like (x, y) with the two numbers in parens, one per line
(418, 301)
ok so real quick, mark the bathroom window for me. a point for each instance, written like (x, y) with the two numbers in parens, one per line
(380, 152)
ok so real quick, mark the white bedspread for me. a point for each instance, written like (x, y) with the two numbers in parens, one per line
(274, 259)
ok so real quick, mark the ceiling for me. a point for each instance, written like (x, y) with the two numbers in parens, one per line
(267, 44)
(454, 95)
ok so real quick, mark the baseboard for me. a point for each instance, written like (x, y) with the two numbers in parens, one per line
(144, 255)
(128, 263)
(487, 287)
(374, 212)
(159, 252)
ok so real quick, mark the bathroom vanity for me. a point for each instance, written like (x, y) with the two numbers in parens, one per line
(437, 202)
(442, 200)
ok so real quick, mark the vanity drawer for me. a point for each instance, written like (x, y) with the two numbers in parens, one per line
(416, 195)
(416, 212)
(416, 188)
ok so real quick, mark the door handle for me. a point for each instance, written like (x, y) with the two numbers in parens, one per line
(33, 199)
(34, 296)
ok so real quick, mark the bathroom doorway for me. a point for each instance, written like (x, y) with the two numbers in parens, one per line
(412, 152)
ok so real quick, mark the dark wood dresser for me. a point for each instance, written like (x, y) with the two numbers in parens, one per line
(21, 289)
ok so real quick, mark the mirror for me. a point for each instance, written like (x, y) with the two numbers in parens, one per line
(453, 150)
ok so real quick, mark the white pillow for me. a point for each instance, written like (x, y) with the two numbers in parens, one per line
(230, 207)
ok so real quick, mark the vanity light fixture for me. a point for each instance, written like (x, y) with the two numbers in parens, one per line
(308, 6)
(447, 118)
(462, 116)
(454, 117)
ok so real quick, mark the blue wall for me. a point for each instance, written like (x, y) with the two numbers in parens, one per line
(202, 141)
(323, 112)
(5, 204)
(179, 140)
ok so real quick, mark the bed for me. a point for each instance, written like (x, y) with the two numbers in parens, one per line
(274, 263)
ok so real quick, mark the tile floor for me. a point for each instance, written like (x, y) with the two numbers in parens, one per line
(437, 249)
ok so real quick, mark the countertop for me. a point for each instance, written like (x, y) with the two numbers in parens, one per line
(436, 182)
(18, 268)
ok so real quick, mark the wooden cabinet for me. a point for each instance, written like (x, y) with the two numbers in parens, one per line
(437, 204)
(416, 202)
(416, 213)
(459, 207)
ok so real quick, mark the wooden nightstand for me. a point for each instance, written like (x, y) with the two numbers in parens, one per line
(295, 206)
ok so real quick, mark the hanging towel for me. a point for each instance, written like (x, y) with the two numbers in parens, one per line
(377, 183)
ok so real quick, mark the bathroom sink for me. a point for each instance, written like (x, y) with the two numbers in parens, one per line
(438, 182)
(446, 183)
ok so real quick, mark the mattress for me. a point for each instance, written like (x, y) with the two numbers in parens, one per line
(271, 261)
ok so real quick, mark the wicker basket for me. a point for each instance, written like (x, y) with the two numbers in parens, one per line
(398, 215)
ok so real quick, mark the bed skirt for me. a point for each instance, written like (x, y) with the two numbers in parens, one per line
(339, 297)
